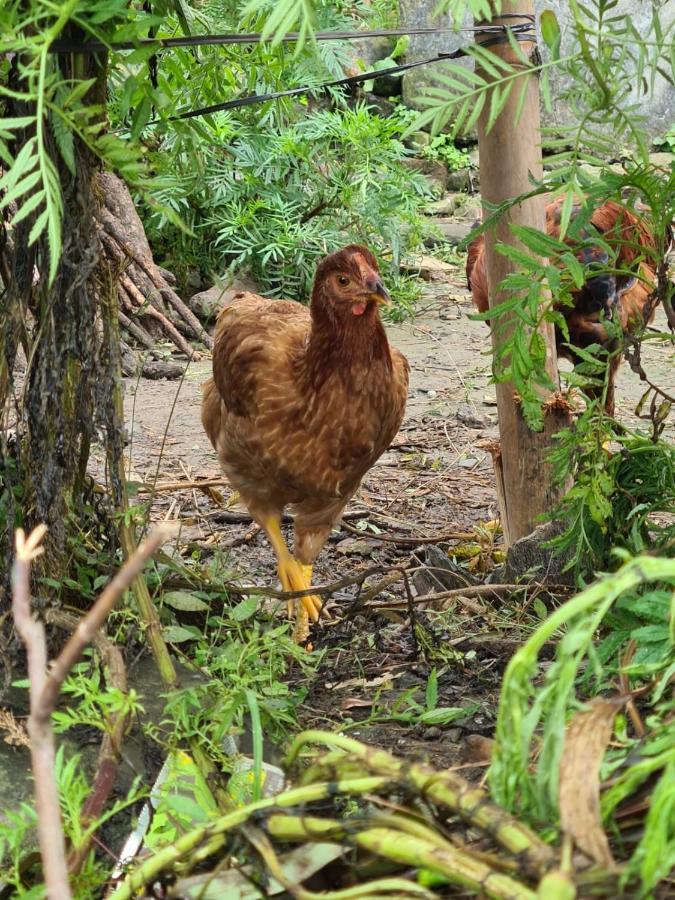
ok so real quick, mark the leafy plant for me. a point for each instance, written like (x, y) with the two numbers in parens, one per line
(272, 200)
(443, 148)
(667, 142)
(617, 498)
(236, 656)
(407, 710)
(530, 715)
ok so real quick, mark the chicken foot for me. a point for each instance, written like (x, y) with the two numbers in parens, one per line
(293, 577)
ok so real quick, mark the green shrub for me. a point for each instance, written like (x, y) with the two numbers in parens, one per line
(272, 199)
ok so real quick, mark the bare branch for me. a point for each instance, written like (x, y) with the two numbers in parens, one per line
(43, 758)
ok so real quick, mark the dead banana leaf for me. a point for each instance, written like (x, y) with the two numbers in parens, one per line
(586, 740)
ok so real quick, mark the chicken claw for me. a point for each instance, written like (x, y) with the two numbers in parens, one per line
(294, 577)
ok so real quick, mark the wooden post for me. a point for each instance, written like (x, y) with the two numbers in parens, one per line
(509, 155)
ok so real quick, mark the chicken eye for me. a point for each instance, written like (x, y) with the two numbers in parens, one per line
(343, 279)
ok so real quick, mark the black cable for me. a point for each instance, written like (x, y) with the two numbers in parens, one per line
(520, 33)
(66, 45)
(251, 99)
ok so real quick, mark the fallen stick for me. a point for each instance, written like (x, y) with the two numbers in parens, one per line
(138, 332)
(414, 541)
(143, 488)
(147, 308)
(476, 590)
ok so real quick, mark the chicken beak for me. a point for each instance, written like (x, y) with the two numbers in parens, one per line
(379, 294)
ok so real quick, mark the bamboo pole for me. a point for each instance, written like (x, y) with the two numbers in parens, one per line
(510, 154)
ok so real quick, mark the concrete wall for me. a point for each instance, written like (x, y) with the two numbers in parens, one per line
(659, 109)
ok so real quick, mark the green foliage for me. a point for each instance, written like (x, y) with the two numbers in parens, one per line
(619, 498)
(407, 710)
(55, 109)
(274, 199)
(535, 715)
(443, 148)
(91, 703)
(667, 142)
(18, 833)
(239, 653)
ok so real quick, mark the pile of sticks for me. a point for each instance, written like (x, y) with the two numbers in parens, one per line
(150, 309)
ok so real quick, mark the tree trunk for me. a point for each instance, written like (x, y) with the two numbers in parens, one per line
(510, 155)
(66, 393)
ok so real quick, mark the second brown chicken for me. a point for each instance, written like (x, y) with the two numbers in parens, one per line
(619, 287)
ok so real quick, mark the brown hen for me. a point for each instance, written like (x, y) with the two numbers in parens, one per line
(302, 403)
(624, 295)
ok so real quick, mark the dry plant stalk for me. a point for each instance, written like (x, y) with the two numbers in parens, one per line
(44, 688)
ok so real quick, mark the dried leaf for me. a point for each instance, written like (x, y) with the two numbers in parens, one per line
(356, 703)
(586, 740)
(378, 681)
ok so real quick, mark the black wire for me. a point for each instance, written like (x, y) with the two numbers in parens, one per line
(251, 99)
(520, 33)
(66, 45)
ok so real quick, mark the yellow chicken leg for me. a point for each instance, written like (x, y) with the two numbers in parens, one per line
(293, 577)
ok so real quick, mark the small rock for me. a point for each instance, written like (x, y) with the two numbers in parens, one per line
(468, 415)
(428, 268)
(193, 280)
(417, 141)
(447, 205)
(355, 547)
(468, 462)
(156, 369)
(451, 231)
(432, 734)
(432, 395)
(387, 86)
(207, 304)
(476, 749)
(380, 106)
(363, 53)
(453, 734)
(465, 179)
(434, 171)
(528, 558)
(470, 208)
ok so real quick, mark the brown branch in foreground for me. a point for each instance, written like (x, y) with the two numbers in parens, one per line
(40, 731)
(44, 689)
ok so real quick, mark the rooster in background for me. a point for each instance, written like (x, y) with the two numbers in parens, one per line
(302, 403)
(621, 290)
